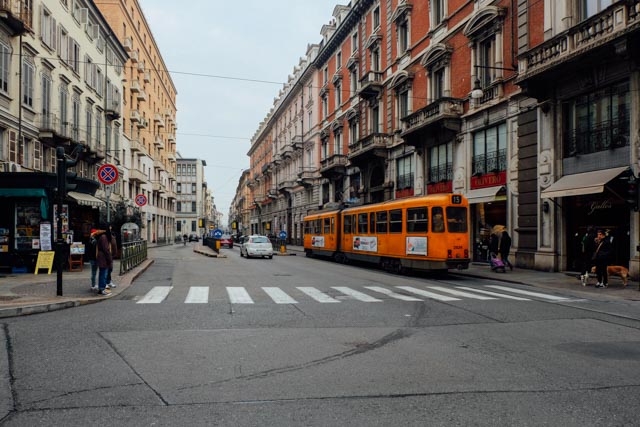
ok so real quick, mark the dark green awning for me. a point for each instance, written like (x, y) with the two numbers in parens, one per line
(29, 192)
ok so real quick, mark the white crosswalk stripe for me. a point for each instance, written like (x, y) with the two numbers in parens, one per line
(155, 295)
(279, 296)
(355, 294)
(528, 293)
(316, 294)
(494, 294)
(427, 294)
(460, 293)
(239, 295)
(392, 294)
(197, 295)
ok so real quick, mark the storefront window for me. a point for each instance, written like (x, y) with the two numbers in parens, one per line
(27, 231)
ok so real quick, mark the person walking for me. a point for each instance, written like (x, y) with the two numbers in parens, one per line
(601, 258)
(104, 260)
(587, 248)
(504, 246)
(90, 253)
(114, 251)
(184, 239)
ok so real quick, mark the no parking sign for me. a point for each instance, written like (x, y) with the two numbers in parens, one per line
(141, 200)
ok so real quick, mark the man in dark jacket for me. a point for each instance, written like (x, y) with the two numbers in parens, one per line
(90, 254)
(104, 260)
(504, 248)
(587, 247)
(601, 258)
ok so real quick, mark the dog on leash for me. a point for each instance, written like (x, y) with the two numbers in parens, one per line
(616, 270)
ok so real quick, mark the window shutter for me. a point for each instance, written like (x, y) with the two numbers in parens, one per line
(12, 146)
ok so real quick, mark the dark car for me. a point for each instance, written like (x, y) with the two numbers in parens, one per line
(194, 237)
(226, 240)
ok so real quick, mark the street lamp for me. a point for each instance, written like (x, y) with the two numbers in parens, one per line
(477, 92)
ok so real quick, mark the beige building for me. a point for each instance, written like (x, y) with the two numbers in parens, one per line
(148, 120)
(60, 88)
(192, 197)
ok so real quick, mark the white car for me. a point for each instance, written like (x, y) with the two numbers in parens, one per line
(256, 245)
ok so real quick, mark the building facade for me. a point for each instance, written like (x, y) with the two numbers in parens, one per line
(60, 86)
(191, 192)
(148, 121)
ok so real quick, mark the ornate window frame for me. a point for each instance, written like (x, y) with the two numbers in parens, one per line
(438, 57)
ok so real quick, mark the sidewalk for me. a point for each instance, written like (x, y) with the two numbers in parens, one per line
(22, 294)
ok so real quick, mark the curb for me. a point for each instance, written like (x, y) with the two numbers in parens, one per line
(70, 303)
(209, 254)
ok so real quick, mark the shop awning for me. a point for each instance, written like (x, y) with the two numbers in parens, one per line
(581, 183)
(483, 195)
(85, 199)
(29, 192)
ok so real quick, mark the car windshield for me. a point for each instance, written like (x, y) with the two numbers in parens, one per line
(260, 239)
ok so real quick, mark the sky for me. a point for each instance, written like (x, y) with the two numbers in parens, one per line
(213, 48)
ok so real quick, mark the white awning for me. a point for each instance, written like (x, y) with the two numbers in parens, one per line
(85, 199)
(581, 183)
(483, 195)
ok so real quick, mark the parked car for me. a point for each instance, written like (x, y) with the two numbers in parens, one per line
(193, 237)
(256, 245)
(226, 240)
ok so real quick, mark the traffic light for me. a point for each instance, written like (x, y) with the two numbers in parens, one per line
(632, 192)
(63, 174)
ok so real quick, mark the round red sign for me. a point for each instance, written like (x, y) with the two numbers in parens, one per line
(107, 174)
(141, 200)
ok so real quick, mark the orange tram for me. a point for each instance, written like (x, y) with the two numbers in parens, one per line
(428, 233)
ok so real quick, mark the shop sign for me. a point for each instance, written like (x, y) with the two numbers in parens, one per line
(45, 260)
(593, 207)
(440, 187)
(489, 180)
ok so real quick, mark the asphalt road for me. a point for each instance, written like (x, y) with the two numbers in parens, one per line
(298, 341)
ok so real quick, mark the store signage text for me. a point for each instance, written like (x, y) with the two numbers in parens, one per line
(596, 206)
(489, 180)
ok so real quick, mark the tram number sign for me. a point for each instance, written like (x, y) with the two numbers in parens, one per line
(108, 174)
(141, 200)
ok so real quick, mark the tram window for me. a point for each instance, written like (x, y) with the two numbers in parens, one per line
(437, 220)
(327, 226)
(307, 228)
(395, 221)
(347, 224)
(457, 219)
(372, 222)
(381, 222)
(362, 223)
(333, 225)
(417, 220)
(316, 226)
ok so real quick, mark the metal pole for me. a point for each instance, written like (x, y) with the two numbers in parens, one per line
(61, 170)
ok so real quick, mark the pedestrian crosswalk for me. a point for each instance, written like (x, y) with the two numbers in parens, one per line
(337, 294)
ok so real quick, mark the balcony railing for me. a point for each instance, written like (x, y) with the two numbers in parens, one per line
(601, 137)
(371, 84)
(612, 23)
(373, 141)
(136, 176)
(440, 173)
(297, 142)
(158, 119)
(491, 162)
(440, 109)
(17, 14)
(332, 162)
(53, 130)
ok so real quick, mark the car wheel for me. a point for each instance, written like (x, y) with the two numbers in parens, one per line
(270, 257)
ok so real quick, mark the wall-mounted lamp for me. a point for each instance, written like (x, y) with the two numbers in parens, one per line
(477, 92)
(545, 207)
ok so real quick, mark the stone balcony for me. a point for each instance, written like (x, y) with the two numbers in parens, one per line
(371, 84)
(374, 144)
(607, 31)
(444, 113)
(333, 166)
(136, 176)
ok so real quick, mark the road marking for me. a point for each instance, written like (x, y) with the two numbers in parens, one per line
(355, 294)
(239, 295)
(279, 296)
(392, 294)
(316, 294)
(495, 294)
(156, 295)
(529, 293)
(197, 295)
(427, 294)
(459, 293)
